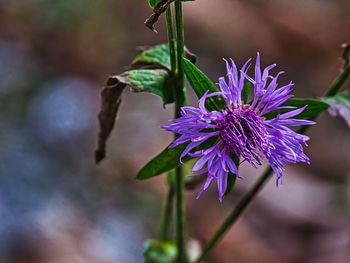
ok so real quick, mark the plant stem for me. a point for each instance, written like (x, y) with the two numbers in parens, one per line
(242, 204)
(339, 81)
(248, 197)
(168, 206)
(180, 79)
(179, 102)
(166, 217)
(180, 216)
(171, 39)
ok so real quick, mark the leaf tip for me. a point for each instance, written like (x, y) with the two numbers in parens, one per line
(99, 156)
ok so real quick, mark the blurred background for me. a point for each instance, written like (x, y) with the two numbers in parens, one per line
(57, 206)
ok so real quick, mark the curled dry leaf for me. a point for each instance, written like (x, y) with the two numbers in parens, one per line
(149, 71)
(152, 80)
(159, 9)
(111, 99)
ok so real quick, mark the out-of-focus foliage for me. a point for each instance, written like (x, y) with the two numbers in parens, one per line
(340, 105)
(156, 251)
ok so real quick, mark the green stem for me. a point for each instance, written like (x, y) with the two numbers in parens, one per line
(248, 197)
(180, 77)
(171, 39)
(242, 204)
(180, 216)
(339, 81)
(166, 218)
(168, 207)
(179, 102)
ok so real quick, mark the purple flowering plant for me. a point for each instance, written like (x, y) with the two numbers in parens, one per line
(241, 128)
(246, 117)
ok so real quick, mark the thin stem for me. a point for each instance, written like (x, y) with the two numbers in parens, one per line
(166, 218)
(180, 80)
(248, 197)
(179, 102)
(180, 216)
(242, 204)
(168, 207)
(339, 81)
(171, 39)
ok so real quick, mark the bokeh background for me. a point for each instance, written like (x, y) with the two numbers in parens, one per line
(57, 206)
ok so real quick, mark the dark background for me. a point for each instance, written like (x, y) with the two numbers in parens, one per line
(57, 206)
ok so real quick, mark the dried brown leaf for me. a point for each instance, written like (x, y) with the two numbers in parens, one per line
(110, 101)
(157, 11)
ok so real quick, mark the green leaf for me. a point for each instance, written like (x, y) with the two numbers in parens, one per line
(231, 178)
(163, 162)
(158, 55)
(340, 105)
(150, 71)
(200, 83)
(169, 159)
(245, 92)
(155, 81)
(156, 251)
(314, 107)
(154, 3)
(231, 181)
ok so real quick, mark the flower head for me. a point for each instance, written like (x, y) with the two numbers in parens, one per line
(240, 128)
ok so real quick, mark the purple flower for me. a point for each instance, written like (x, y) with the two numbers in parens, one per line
(240, 128)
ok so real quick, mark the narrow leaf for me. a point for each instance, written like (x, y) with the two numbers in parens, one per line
(314, 106)
(200, 83)
(245, 92)
(340, 105)
(163, 162)
(231, 178)
(231, 181)
(169, 159)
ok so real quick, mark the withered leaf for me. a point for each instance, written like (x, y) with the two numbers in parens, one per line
(159, 9)
(149, 71)
(110, 101)
(156, 81)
